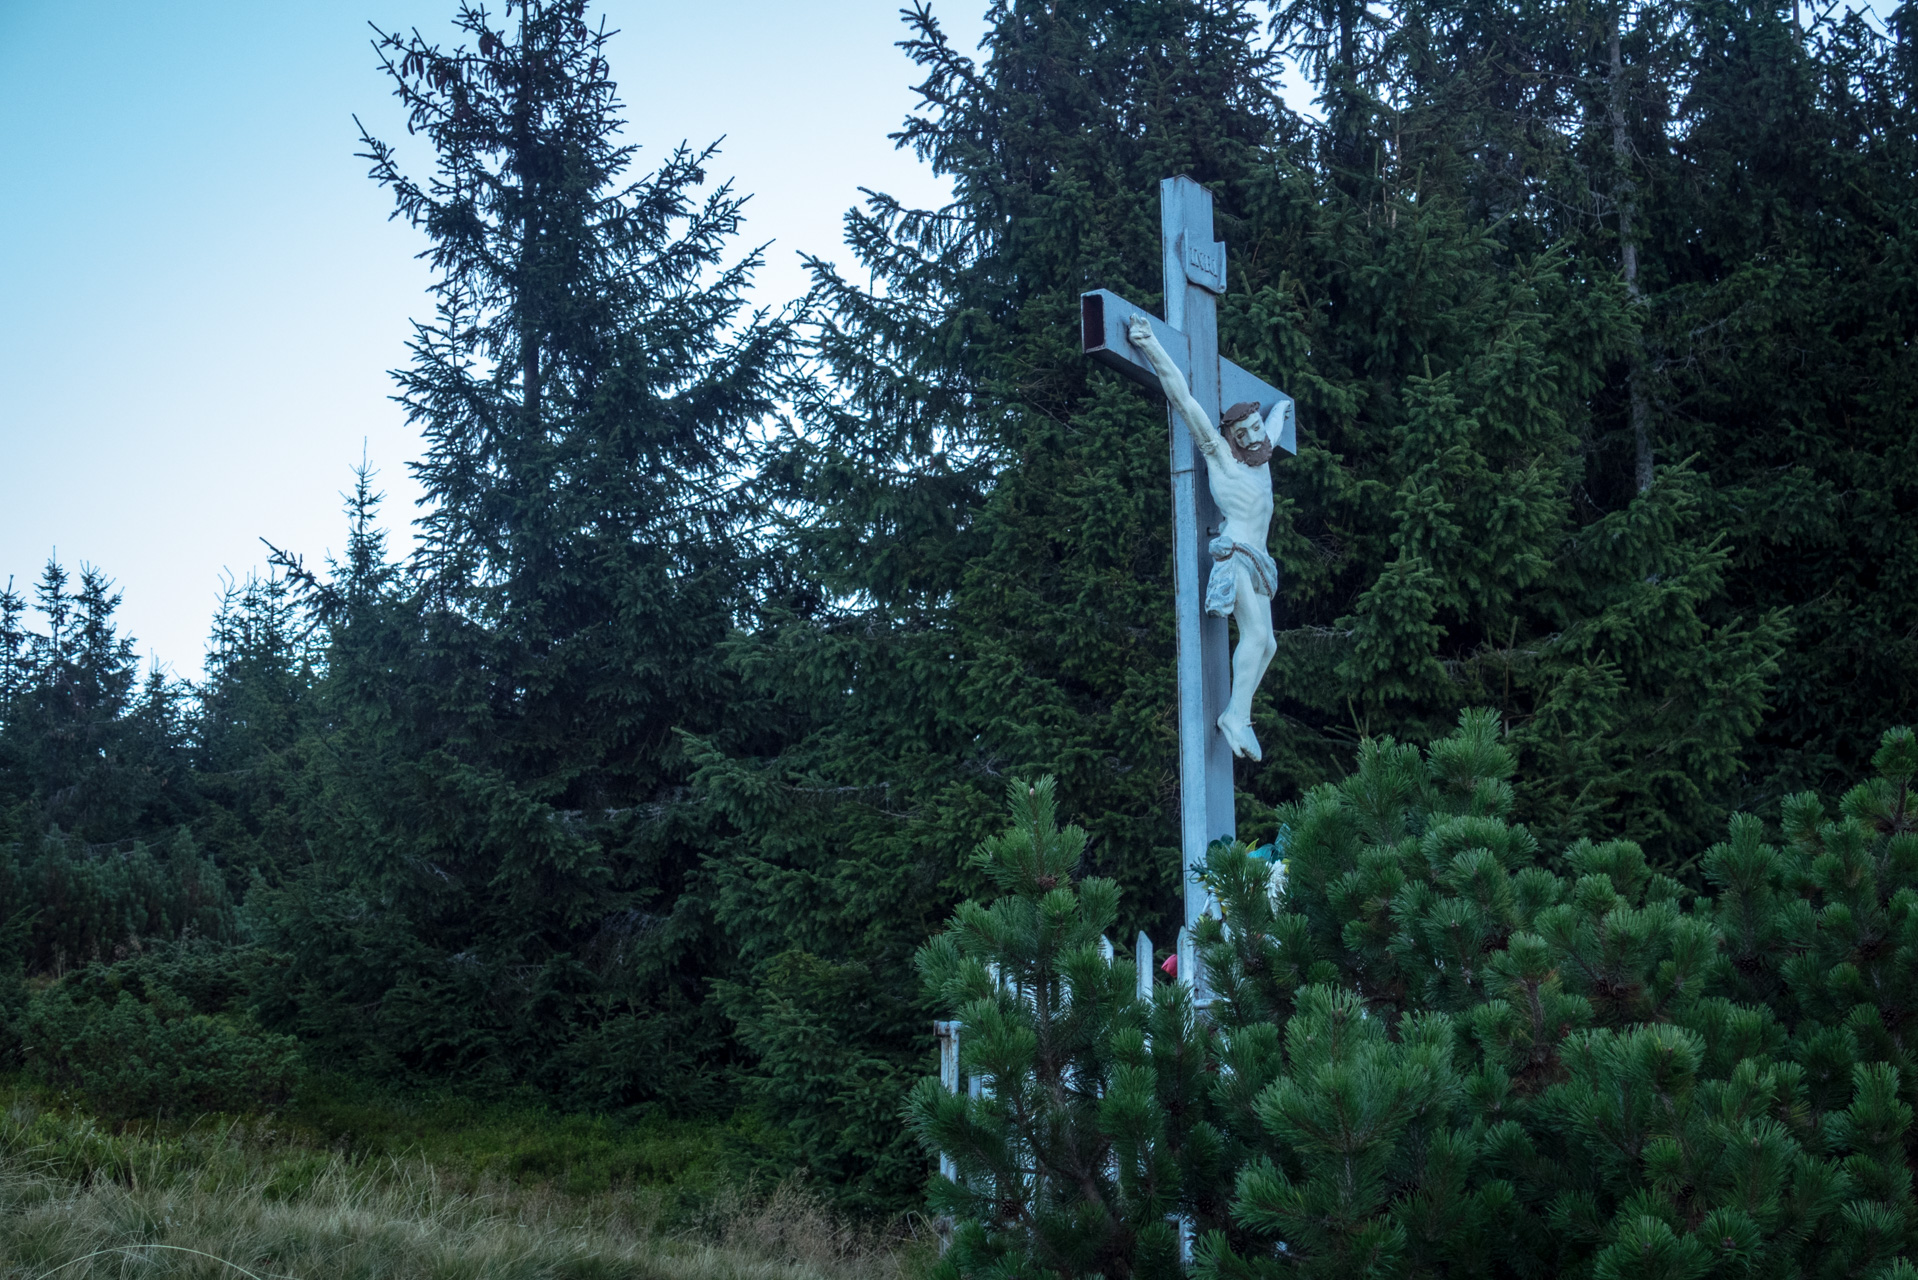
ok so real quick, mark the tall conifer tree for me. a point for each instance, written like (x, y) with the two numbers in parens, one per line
(256, 706)
(86, 745)
(507, 804)
(1743, 174)
(987, 523)
(1786, 340)
(1453, 333)
(987, 511)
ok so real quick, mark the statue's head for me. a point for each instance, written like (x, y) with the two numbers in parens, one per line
(1244, 425)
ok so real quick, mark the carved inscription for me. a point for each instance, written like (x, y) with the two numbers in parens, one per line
(1204, 263)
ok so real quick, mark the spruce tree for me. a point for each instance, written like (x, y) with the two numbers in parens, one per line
(977, 515)
(1739, 172)
(1452, 331)
(87, 745)
(505, 847)
(97, 791)
(978, 522)
(1784, 332)
(255, 708)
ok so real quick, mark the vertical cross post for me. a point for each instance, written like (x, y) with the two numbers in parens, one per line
(1194, 276)
(1194, 273)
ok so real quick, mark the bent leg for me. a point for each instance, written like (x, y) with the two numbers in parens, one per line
(1253, 655)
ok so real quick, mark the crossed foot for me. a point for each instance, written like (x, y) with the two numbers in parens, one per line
(1239, 736)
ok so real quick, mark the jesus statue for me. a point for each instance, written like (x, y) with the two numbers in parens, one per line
(1244, 576)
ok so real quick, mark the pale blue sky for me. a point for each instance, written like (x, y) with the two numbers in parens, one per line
(202, 293)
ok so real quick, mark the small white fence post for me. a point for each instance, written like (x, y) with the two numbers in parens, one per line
(1189, 972)
(948, 1035)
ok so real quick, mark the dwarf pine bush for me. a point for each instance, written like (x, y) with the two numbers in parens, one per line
(163, 1034)
(1440, 1049)
(1074, 1150)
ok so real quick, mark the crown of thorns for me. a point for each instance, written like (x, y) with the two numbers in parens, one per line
(1243, 409)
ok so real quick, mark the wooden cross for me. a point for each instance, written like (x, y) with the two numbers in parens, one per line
(1194, 267)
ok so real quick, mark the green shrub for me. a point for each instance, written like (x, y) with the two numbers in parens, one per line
(158, 1035)
(517, 1140)
(829, 1100)
(64, 902)
(1069, 1158)
(13, 1006)
(85, 1200)
(1437, 1049)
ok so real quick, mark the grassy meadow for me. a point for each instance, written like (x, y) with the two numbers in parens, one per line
(349, 1185)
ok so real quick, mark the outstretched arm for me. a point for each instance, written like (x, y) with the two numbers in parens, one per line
(1177, 390)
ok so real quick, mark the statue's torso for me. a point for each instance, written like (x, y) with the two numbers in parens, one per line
(1244, 498)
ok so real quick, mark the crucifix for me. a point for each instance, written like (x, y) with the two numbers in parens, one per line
(1221, 566)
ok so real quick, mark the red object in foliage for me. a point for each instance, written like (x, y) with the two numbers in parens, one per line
(1171, 966)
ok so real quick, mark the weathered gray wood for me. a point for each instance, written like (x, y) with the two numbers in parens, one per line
(1103, 316)
(947, 1033)
(1142, 966)
(1194, 275)
(1205, 674)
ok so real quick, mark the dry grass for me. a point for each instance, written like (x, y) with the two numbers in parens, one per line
(79, 1202)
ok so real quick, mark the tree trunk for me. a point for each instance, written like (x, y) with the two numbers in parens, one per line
(1623, 191)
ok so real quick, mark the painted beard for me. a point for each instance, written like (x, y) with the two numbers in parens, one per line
(1256, 454)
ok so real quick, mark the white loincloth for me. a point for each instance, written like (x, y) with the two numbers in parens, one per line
(1222, 586)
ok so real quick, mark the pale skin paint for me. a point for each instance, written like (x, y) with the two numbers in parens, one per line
(1244, 498)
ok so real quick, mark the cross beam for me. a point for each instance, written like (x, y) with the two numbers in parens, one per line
(1103, 316)
(1194, 275)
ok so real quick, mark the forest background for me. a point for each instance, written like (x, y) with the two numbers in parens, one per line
(635, 788)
